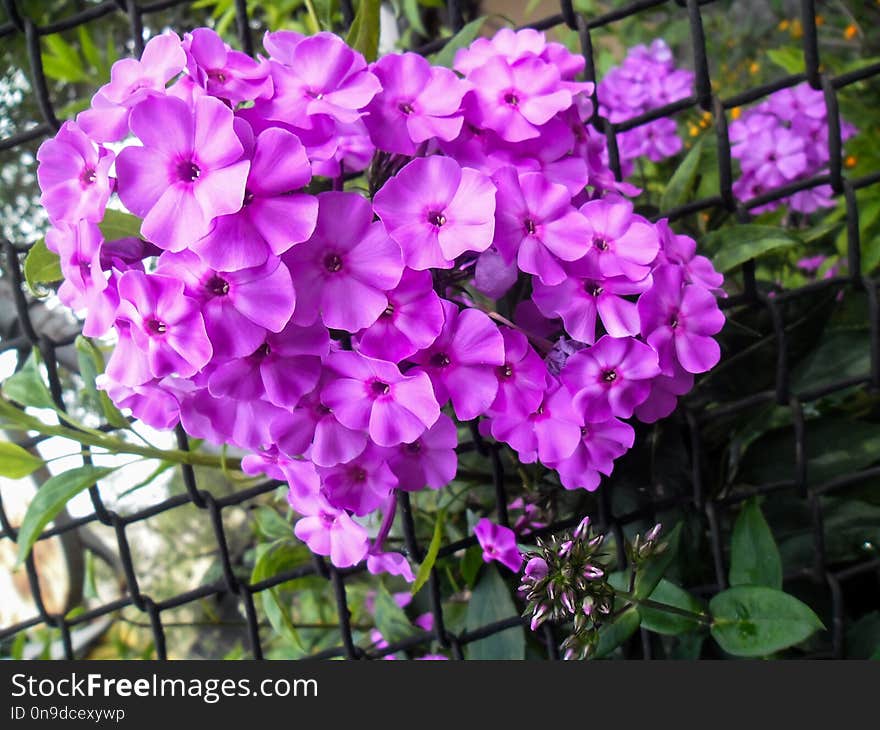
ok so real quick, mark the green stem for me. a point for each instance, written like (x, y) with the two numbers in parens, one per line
(701, 618)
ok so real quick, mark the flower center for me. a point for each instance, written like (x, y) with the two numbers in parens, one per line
(436, 218)
(89, 176)
(593, 289)
(406, 107)
(332, 262)
(157, 326)
(609, 376)
(380, 388)
(511, 99)
(218, 76)
(600, 243)
(505, 371)
(188, 171)
(673, 320)
(530, 226)
(218, 287)
(315, 94)
(248, 197)
(389, 311)
(358, 474)
(263, 350)
(440, 360)
(414, 448)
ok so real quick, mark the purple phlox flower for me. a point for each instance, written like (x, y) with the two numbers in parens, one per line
(321, 76)
(549, 433)
(74, 176)
(240, 423)
(776, 156)
(515, 100)
(281, 43)
(272, 217)
(462, 360)
(354, 151)
(610, 378)
(155, 403)
(430, 460)
(312, 429)
(331, 531)
(797, 102)
(493, 276)
(655, 140)
(585, 296)
(425, 622)
(811, 264)
(282, 369)
(681, 250)
(536, 568)
(188, 172)
(529, 318)
(665, 390)
(370, 394)
(224, 73)
(522, 379)
(131, 81)
(536, 224)
(391, 563)
(600, 444)
(530, 518)
(678, 320)
(499, 544)
(161, 323)
(360, 485)
(437, 210)
(623, 243)
(411, 321)
(79, 247)
(418, 102)
(342, 273)
(238, 306)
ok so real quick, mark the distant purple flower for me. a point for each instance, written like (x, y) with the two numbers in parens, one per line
(188, 172)
(811, 264)
(437, 210)
(332, 532)
(499, 544)
(342, 273)
(73, 175)
(611, 378)
(678, 321)
(462, 360)
(227, 74)
(418, 102)
(370, 394)
(522, 379)
(430, 460)
(600, 444)
(623, 244)
(390, 563)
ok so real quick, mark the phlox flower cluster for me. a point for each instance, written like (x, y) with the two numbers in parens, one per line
(780, 141)
(494, 272)
(647, 79)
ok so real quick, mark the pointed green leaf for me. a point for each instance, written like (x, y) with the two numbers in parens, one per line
(27, 387)
(391, 621)
(681, 183)
(41, 266)
(431, 556)
(16, 462)
(491, 602)
(446, 55)
(735, 245)
(754, 557)
(116, 225)
(51, 498)
(653, 570)
(614, 634)
(363, 35)
(671, 624)
(91, 364)
(753, 621)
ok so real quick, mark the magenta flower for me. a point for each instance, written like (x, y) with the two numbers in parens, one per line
(272, 217)
(600, 444)
(681, 250)
(514, 100)
(131, 81)
(163, 324)
(370, 394)
(437, 210)
(360, 485)
(224, 73)
(536, 224)
(73, 175)
(678, 321)
(342, 273)
(623, 244)
(610, 378)
(411, 321)
(238, 306)
(515, 45)
(283, 368)
(430, 460)
(522, 379)
(498, 543)
(665, 390)
(332, 532)
(392, 564)
(188, 172)
(462, 360)
(418, 102)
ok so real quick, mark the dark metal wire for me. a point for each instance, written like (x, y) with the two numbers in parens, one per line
(712, 509)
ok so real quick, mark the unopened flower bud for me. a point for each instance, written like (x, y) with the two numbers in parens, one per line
(592, 572)
(583, 529)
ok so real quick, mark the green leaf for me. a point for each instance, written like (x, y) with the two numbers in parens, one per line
(681, 183)
(789, 59)
(16, 462)
(271, 525)
(364, 33)
(272, 559)
(464, 37)
(118, 225)
(392, 622)
(51, 498)
(27, 387)
(491, 602)
(91, 364)
(431, 556)
(614, 634)
(663, 622)
(735, 245)
(470, 565)
(650, 572)
(413, 14)
(753, 621)
(754, 557)
(41, 266)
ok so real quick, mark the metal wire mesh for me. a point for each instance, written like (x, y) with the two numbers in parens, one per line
(712, 510)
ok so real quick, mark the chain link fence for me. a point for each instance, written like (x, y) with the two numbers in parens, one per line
(711, 510)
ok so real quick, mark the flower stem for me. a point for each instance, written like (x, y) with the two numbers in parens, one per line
(701, 618)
